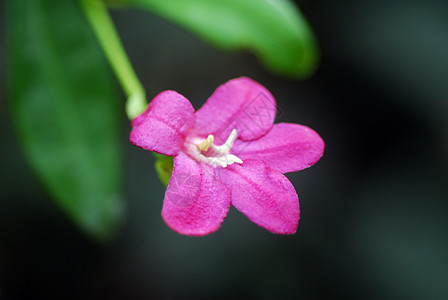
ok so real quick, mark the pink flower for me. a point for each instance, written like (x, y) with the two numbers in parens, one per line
(228, 152)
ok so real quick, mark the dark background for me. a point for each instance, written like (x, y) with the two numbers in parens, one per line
(373, 210)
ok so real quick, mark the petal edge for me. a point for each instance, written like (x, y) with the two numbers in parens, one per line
(287, 147)
(241, 104)
(195, 203)
(264, 195)
(165, 123)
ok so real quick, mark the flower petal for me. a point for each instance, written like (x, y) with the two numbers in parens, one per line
(165, 123)
(286, 148)
(195, 203)
(241, 104)
(264, 195)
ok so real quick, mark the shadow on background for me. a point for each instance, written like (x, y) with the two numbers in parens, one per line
(373, 210)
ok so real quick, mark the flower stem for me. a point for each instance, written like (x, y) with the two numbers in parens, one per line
(101, 22)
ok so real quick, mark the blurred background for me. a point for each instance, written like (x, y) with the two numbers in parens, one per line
(373, 210)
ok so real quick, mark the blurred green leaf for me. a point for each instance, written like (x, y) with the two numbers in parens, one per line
(275, 31)
(164, 167)
(65, 110)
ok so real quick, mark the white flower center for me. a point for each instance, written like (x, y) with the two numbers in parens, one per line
(205, 151)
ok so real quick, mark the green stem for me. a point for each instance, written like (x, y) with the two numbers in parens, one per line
(98, 16)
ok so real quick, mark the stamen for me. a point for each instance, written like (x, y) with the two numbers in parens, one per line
(203, 146)
(228, 144)
(206, 151)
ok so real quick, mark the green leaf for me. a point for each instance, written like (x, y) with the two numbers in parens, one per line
(164, 167)
(66, 111)
(275, 31)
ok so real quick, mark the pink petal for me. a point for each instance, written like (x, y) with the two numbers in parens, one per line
(286, 148)
(163, 126)
(264, 195)
(195, 203)
(241, 104)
